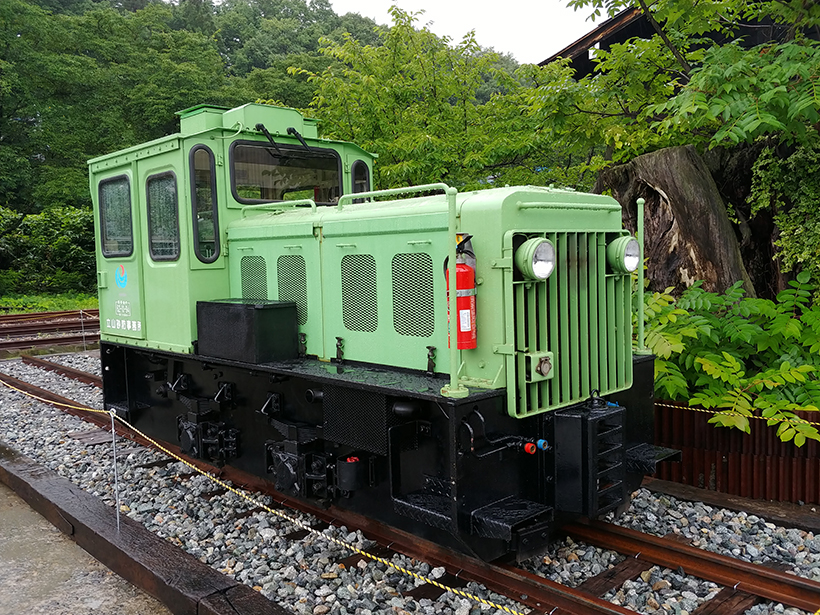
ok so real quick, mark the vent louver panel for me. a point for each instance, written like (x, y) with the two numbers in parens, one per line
(357, 418)
(359, 293)
(413, 297)
(291, 275)
(254, 274)
(582, 314)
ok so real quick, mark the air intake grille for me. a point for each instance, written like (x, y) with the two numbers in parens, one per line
(254, 273)
(357, 418)
(413, 305)
(359, 293)
(291, 275)
(581, 314)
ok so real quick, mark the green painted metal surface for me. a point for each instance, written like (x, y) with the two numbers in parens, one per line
(156, 307)
(368, 277)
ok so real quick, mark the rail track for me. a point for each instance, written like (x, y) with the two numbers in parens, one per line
(49, 329)
(44, 316)
(744, 584)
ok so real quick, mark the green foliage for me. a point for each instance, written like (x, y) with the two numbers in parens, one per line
(48, 252)
(681, 86)
(80, 78)
(609, 108)
(740, 356)
(416, 100)
(411, 100)
(740, 94)
(287, 89)
(14, 303)
(792, 202)
(62, 102)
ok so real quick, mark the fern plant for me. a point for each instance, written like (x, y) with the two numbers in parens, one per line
(741, 357)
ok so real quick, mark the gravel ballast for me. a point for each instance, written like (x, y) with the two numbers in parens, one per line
(304, 575)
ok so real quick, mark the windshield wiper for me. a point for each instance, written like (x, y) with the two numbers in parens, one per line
(261, 128)
(295, 133)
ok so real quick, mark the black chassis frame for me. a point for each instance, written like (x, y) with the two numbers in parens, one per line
(386, 444)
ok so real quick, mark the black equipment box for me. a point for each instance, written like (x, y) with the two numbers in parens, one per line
(248, 330)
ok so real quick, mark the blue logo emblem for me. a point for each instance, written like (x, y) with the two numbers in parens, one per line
(121, 277)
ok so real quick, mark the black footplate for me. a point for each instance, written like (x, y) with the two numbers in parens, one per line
(503, 517)
(644, 458)
(430, 508)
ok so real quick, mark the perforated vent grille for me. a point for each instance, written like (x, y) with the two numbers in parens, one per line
(413, 307)
(291, 275)
(357, 418)
(254, 274)
(359, 293)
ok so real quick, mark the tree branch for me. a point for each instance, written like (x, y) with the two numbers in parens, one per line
(675, 52)
(604, 114)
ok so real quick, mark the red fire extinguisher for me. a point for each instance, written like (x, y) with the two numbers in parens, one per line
(465, 298)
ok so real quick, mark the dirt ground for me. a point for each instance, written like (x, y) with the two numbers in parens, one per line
(42, 571)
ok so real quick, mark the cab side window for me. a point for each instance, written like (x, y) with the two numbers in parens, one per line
(360, 177)
(203, 200)
(163, 216)
(115, 217)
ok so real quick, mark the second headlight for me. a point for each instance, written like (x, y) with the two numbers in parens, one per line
(536, 258)
(624, 254)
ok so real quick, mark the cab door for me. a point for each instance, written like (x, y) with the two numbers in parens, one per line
(119, 266)
(164, 260)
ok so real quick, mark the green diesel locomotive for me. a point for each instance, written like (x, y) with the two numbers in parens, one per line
(261, 307)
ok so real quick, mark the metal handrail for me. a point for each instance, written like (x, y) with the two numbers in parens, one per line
(281, 205)
(390, 192)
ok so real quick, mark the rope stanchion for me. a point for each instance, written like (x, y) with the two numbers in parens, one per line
(256, 503)
(82, 325)
(116, 476)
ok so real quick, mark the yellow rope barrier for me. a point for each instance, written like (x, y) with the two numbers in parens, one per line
(279, 513)
(713, 411)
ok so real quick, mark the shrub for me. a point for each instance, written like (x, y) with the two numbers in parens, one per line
(48, 252)
(741, 356)
(49, 303)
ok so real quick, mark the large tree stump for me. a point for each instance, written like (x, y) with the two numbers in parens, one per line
(733, 171)
(688, 235)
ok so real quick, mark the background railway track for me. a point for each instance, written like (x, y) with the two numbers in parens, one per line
(744, 584)
(49, 330)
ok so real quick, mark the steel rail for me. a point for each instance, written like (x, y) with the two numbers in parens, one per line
(31, 316)
(63, 370)
(69, 406)
(531, 590)
(542, 595)
(535, 592)
(25, 328)
(754, 579)
(92, 337)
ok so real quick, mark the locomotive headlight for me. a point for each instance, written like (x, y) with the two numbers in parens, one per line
(536, 258)
(624, 254)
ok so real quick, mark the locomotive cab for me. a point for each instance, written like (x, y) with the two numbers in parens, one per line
(268, 311)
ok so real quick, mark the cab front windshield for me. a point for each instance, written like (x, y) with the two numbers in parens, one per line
(260, 174)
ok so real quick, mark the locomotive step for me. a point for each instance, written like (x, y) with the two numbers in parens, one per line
(503, 518)
(644, 458)
(429, 508)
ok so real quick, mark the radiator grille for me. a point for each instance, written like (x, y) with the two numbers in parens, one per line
(581, 314)
(359, 293)
(413, 301)
(254, 274)
(291, 276)
(357, 418)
